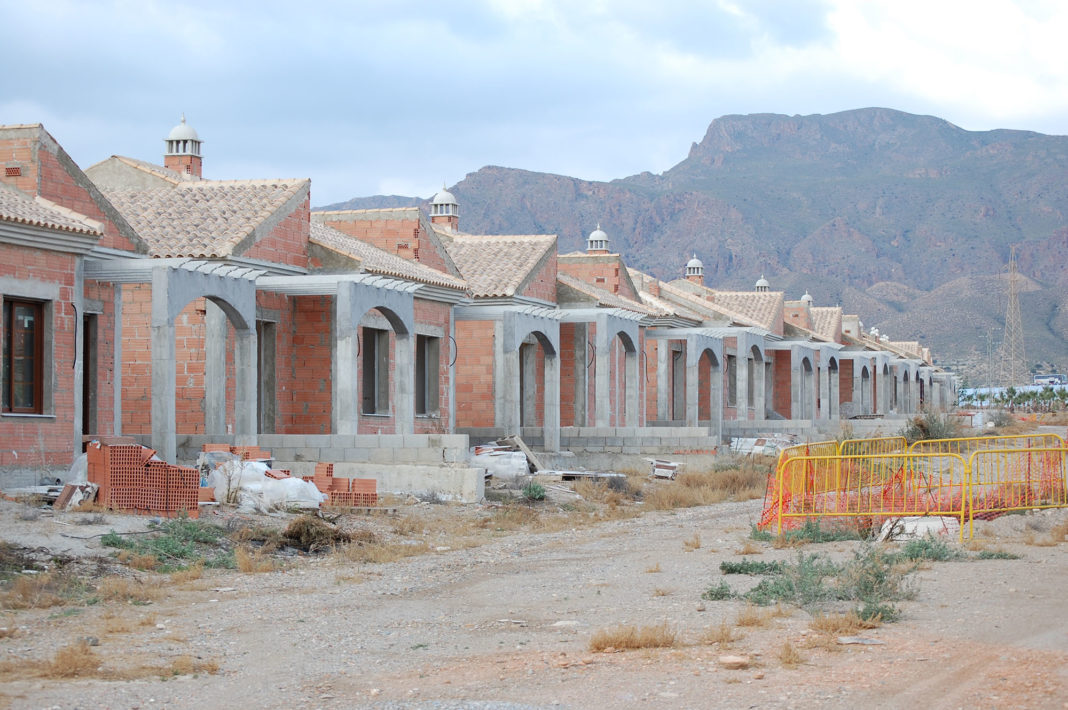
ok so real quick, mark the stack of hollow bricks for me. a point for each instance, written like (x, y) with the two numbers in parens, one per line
(129, 480)
(346, 492)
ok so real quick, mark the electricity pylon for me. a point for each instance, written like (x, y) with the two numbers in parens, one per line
(1012, 361)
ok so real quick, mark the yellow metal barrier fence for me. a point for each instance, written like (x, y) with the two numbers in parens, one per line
(873, 447)
(869, 488)
(965, 445)
(1002, 473)
(1001, 480)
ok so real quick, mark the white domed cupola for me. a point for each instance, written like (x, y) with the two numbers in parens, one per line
(695, 270)
(445, 210)
(807, 298)
(597, 242)
(183, 150)
(762, 285)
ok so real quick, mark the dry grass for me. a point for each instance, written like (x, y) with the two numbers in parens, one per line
(1054, 538)
(661, 592)
(381, 552)
(723, 635)
(38, 591)
(74, 661)
(144, 563)
(753, 616)
(842, 624)
(190, 573)
(744, 481)
(113, 624)
(749, 548)
(252, 561)
(123, 589)
(654, 569)
(694, 543)
(633, 637)
(407, 525)
(789, 656)
(79, 660)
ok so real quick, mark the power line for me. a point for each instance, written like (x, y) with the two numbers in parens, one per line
(1012, 359)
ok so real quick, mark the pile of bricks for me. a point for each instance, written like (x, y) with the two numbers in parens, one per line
(129, 480)
(344, 492)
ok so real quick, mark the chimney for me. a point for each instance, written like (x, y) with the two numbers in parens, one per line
(183, 150)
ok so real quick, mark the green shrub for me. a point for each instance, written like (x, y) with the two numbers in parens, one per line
(534, 491)
(753, 567)
(718, 593)
(929, 548)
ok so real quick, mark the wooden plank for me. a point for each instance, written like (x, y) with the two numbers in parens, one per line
(531, 457)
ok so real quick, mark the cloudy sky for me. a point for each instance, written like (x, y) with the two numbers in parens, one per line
(400, 96)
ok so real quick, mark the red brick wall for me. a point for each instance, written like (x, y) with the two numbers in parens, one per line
(568, 369)
(649, 375)
(543, 283)
(704, 388)
(49, 442)
(47, 177)
(303, 357)
(845, 381)
(780, 370)
(136, 359)
(287, 243)
(606, 273)
(474, 374)
(404, 237)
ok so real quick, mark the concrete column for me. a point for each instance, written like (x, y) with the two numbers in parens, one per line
(824, 406)
(404, 386)
(529, 377)
(551, 423)
(506, 383)
(797, 385)
(834, 389)
(164, 379)
(78, 299)
(345, 416)
(759, 398)
(602, 381)
(693, 371)
(630, 405)
(914, 394)
(663, 380)
(742, 378)
(214, 369)
(582, 358)
(858, 396)
(246, 367)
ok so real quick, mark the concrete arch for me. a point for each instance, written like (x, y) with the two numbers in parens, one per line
(352, 302)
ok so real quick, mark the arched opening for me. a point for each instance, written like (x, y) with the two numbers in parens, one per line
(708, 394)
(384, 367)
(805, 390)
(755, 385)
(831, 402)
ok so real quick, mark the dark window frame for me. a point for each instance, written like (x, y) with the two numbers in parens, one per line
(9, 369)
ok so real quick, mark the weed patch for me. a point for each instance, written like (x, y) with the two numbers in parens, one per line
(174, 545)
(634, 637)
(751, 567)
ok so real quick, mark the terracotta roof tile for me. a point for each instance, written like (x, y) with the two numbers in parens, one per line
(379, 261)
(159, 171)
(827, 321)
(762, 309)
(496, 266)
(39, 212)
(202, 218)
(603, 297)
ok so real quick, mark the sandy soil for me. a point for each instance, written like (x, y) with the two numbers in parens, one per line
(507, 624)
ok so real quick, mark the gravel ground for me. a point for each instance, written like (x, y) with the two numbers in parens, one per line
(507, 624)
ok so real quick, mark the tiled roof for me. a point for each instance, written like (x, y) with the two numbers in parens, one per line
(827, 321)
(662, 306)
(159, 171)
(603, 297)
(202, 218)
(39, 212)
(378, 261)
(375, 213)
(496, 266)
(762, 309)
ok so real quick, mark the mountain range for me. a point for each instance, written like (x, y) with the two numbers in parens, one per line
(903, 219)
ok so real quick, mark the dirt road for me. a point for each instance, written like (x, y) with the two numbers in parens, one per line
(507, 624)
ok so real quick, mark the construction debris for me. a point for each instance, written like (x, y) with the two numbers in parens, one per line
(665, 469)
(131, 478)
(74, 494)
(762, 446)
(518, 443)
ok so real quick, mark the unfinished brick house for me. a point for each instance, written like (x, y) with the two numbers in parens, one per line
(58, 321)
(200, 311)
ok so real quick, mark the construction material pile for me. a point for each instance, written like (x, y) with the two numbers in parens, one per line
(344, 492)
(132, 479)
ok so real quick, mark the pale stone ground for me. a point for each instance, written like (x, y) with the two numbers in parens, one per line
(507, 625)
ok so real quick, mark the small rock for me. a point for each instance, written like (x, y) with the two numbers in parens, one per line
(91, 640)
(700, 606)
(374, 692)
(758, 675)
(734, 663)
(610, 649)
